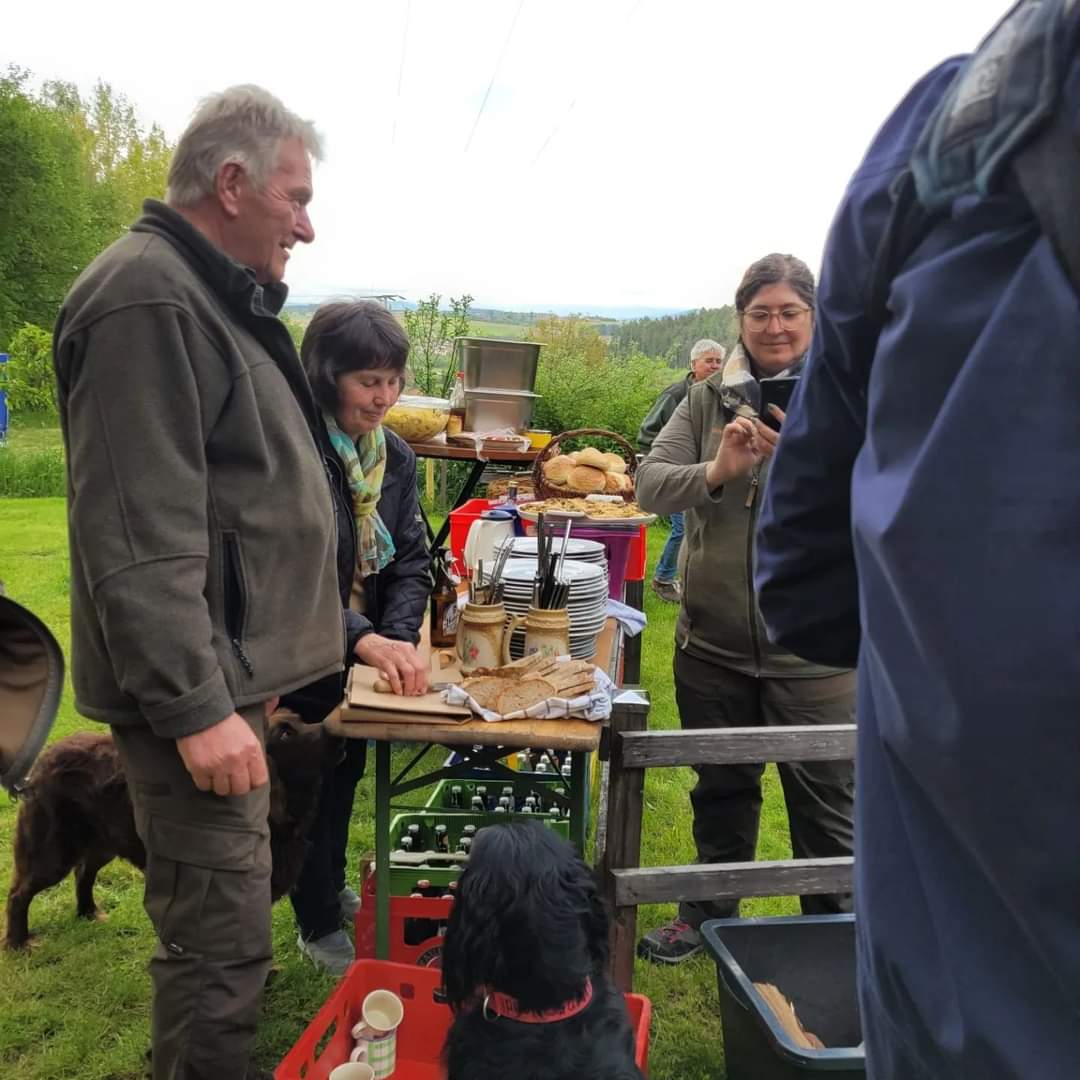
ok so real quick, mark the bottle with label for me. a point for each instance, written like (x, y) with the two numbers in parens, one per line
(456, 424)
(444, 604)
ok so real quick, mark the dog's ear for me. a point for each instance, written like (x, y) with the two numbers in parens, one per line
(471, 951)
(279, 803)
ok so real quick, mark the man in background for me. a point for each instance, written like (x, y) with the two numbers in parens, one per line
(705, 357)
(189, 428)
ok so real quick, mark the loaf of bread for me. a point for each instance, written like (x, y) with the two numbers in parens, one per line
(558, 469)
(524, 694)
(486, 689)
(586, 479)
(614, 463)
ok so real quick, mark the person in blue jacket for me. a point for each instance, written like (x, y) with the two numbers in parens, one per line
(922, 515)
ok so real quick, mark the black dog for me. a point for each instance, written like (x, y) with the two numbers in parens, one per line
(528, 936)
(76, 814)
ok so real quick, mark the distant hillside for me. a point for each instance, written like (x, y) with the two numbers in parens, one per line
(671, 337)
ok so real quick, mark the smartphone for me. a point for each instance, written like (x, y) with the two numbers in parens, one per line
(777, 392)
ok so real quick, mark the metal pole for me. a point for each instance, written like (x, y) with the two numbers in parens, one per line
(3, 398)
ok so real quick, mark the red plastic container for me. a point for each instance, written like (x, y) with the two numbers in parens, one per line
(405, 913)
(327, 1043)
(461, 520)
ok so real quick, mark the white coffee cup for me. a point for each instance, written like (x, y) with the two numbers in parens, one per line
(354, 1070)
(376, 1034)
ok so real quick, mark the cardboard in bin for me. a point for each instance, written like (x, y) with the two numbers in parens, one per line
(810, 959)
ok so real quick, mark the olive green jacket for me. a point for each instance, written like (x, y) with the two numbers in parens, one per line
(719, 618)
(189, 427)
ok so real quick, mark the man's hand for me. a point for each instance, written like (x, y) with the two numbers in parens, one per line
(226, 758)
(397, 661)
(736, 455)
(765, 438)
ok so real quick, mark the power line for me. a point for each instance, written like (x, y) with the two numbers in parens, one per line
(401, 70)
(494, 75)
(570, 108)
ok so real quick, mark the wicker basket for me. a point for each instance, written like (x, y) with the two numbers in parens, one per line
(544, 490)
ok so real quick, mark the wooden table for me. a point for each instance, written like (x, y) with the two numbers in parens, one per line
(447, 452)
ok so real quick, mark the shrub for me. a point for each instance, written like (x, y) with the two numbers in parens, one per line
(28, 375)
(583, 385)
(31, 475)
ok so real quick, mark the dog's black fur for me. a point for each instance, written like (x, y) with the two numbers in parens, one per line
(76, 814)
(528, 921)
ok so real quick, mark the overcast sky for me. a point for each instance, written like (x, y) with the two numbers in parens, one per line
(629, 152)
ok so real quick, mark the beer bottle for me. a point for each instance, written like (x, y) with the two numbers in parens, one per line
(444, 603)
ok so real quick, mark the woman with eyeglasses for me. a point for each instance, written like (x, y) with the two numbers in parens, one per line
(711, 461)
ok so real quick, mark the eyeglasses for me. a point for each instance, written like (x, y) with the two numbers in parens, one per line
(791, 318)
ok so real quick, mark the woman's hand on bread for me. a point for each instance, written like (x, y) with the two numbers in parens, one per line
(736, 455)
(398, 662)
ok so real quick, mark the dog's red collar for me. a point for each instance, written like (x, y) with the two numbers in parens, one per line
(497, 1004)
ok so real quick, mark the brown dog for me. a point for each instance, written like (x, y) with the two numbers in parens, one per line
(76, 814)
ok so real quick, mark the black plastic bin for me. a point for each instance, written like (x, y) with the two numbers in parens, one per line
(810, 959)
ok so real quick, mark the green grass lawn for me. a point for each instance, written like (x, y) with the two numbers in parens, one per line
(77, 1005)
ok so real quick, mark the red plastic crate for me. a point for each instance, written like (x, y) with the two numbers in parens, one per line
(426, 953)
(327, 1041)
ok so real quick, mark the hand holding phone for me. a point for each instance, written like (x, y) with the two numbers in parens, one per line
(776, 392)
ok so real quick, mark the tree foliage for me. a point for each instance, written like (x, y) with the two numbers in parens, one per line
(582, 383)
(432, 363)
(27, 377)
(671, 337)
(74, 177)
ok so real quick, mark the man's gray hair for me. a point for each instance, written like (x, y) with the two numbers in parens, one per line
(243, 125)
(706, 345)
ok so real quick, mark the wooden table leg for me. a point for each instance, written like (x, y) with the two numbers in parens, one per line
(626, 796)
(382, 849)
(579, 803)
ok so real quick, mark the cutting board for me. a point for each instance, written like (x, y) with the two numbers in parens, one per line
(362, 703)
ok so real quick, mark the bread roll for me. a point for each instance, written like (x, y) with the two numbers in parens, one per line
(614, 463)
(612, 485)
(588, 480)
(623, 481)
(558, 469)
(592, 457)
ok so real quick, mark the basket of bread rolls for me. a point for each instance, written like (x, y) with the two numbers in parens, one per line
(585, 472)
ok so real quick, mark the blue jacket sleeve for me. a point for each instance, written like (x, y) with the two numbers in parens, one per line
(805, 570)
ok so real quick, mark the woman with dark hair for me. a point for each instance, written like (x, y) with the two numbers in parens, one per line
(710, 461)
(355, 356)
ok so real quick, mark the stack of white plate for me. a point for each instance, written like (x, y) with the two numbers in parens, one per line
(586, 605)
(589, 551)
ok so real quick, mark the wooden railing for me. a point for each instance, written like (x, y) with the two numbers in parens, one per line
(631, 749)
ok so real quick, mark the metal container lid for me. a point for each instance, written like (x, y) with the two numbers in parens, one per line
(499, 392)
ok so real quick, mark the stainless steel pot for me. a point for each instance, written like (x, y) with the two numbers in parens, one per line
(487, 409)
(496, 364)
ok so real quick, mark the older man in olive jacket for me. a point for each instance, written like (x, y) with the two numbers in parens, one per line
(189, 427)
